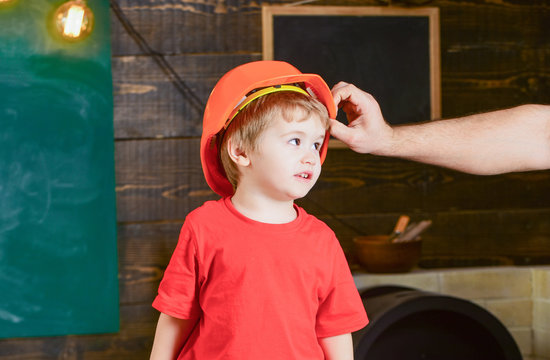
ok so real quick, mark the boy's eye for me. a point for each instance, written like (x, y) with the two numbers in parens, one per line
(295, 141)
(317, 146)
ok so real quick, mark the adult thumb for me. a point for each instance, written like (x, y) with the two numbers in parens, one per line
(339, 130)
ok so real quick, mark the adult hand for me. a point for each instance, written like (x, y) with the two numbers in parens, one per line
(366, 132)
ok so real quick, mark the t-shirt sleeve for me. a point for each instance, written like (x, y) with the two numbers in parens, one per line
(341, 311)
(178, 290)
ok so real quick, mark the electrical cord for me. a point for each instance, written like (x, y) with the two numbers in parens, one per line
(159, 58)
(336, 218)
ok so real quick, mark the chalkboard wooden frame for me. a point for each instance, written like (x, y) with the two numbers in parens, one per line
(296, 18)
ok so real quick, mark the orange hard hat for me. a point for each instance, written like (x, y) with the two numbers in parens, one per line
(228, 94)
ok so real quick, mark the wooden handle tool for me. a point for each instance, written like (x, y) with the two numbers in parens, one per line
(400, 227)
(412, 233)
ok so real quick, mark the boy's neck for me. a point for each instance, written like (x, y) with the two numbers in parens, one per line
(263, 209)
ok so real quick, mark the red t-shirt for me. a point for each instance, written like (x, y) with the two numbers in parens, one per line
(260, 291)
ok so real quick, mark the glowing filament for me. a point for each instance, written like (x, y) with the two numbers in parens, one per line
(74, 20)
(73, 23)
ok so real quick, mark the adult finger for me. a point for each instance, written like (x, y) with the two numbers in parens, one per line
(344, 92)
(339, 85)
(339, 130)
(340, 92)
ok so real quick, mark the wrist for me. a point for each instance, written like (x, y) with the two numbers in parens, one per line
(387, 144)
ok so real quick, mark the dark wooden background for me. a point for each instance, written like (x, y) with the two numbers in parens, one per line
(494, 54)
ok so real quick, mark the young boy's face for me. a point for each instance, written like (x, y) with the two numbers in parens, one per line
(286, 163)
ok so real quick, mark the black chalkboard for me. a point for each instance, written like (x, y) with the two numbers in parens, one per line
(389, 53)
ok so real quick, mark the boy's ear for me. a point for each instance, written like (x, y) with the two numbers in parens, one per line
(237, 154)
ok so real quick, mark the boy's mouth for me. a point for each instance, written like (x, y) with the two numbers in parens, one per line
(305, 175)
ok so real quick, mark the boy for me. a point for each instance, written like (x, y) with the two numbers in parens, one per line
(253, 275)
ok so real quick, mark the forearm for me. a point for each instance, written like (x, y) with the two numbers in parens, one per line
(516, 139)
(170, 336)
(338, 347)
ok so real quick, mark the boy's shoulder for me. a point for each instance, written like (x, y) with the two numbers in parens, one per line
(210, 217)
(312, 220)
(208, 208)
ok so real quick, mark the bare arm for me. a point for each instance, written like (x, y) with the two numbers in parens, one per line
(170, 336)
(516, 139)
(338, 347)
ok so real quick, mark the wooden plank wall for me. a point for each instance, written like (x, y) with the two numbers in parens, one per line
(494, 54)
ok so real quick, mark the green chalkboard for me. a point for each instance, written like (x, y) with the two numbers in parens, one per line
(58, 254)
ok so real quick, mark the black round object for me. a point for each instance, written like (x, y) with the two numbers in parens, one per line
(410, 324)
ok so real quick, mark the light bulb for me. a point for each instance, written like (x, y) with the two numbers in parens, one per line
(7, 2)
(74, 20)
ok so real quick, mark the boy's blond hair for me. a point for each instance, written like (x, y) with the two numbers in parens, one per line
(248, 125)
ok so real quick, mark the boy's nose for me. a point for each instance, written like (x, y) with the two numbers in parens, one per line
(310, 157)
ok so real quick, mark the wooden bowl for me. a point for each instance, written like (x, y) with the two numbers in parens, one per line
(378, 255)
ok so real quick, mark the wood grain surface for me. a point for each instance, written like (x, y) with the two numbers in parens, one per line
(494, 54)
